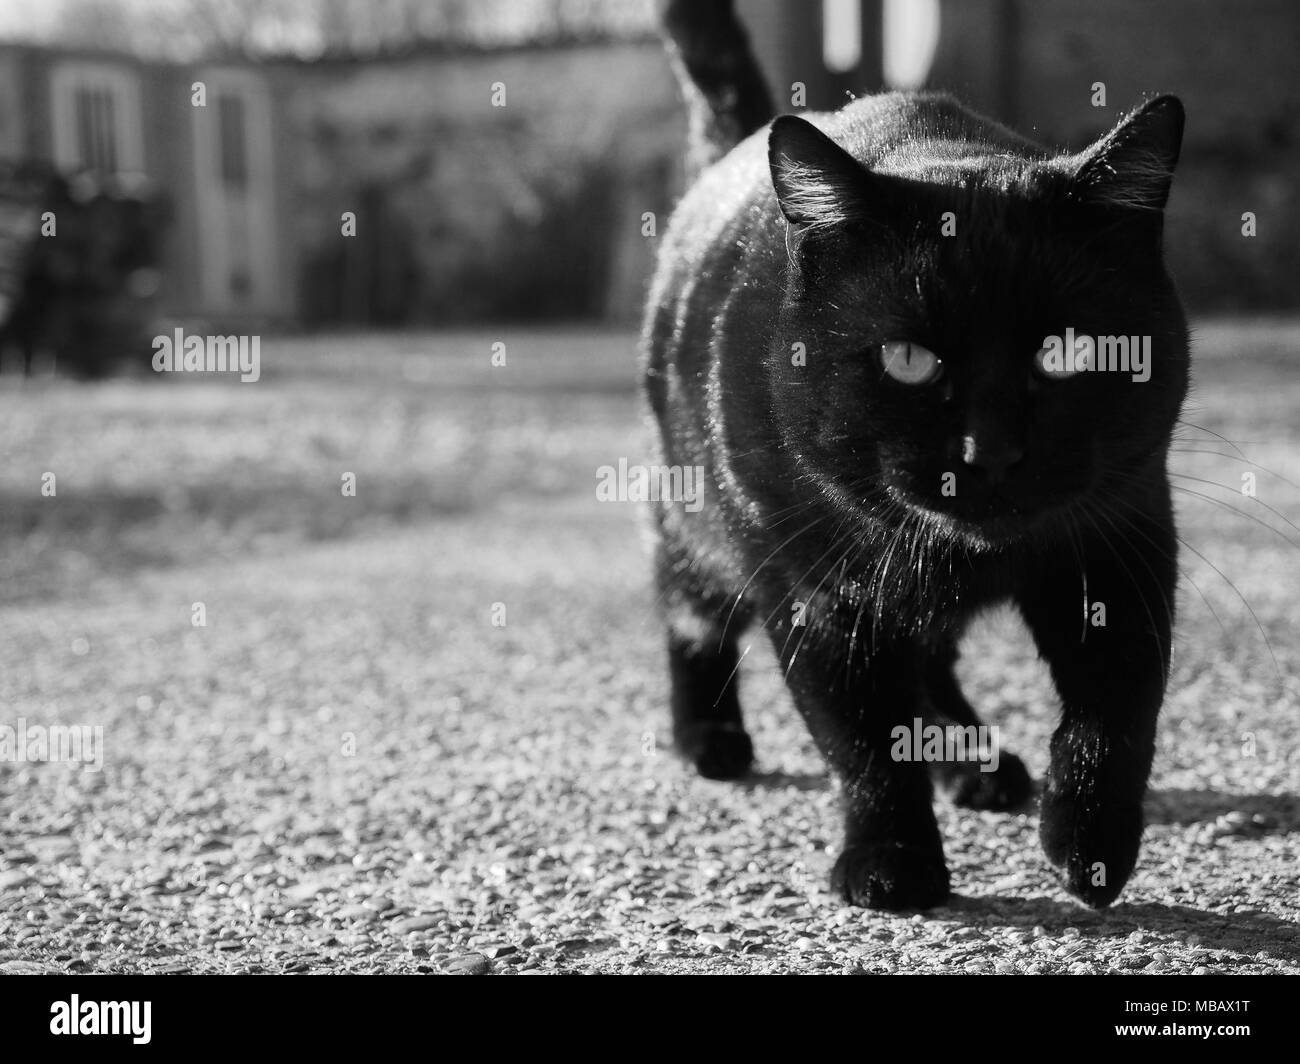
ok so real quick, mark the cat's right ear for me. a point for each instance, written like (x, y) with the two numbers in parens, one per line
(818, 184)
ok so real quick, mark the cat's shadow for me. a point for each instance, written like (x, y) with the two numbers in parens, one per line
(776, 780)
(1242, 933)
(1178, 806)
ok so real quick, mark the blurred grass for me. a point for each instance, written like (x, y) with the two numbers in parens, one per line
(163, 472)
(175, 472)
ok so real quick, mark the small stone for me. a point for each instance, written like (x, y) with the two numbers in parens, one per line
(25, 968)
(805, 944)
(302, 893)
(1202, 970)
(415, 923)
(470, 964)
(716, 940)
(14, 877)
(497, 951)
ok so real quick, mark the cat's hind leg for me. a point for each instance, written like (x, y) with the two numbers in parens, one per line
(971, 783)
(703, 622)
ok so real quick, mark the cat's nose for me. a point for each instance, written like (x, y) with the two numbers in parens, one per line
(994, 456)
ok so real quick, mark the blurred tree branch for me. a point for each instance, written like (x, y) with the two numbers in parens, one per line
(189, 29)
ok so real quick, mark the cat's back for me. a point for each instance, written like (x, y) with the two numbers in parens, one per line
(726, 230)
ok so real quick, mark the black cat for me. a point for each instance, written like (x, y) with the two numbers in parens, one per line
(848, 332)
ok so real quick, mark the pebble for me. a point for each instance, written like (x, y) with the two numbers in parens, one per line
(25, 968)
(469, 964)
(303, 892)
(415, 923)
(716, 939)
(14, 877)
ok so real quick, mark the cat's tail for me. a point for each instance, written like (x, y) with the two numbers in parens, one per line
(725, 91)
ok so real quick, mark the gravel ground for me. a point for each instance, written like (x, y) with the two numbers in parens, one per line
(350, 768)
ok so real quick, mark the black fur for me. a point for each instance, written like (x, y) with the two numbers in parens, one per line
(823, 500)
(726, 95)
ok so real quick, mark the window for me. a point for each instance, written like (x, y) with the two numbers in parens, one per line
(232, 147)
(841, 35)
(95, 117)
(96, 128)
(911, 33)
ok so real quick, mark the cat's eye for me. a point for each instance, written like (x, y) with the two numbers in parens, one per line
(910, 363)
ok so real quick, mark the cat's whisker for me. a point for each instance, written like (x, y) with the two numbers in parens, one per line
(1249, 608)
(1137, 586)
(1226, 505)
(740, 595)
(1237, 458)
(1236, 590)
(1132, 524)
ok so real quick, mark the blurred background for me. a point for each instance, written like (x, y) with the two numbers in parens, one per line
(427, 664)
(472, 212)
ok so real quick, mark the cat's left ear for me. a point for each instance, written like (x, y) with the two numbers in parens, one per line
(1132, 166)
(818, 184)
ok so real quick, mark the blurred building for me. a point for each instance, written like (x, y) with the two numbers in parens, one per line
(547, 206)
(1036, 65)
(224, 254)
(455, 209)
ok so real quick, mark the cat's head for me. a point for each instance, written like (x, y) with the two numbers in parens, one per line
(933, 344)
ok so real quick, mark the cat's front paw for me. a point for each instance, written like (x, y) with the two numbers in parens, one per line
(719, 751)
(886, 875)
(1093, 846)
(1008, 787)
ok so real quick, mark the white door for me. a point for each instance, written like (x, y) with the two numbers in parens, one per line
(233, 168)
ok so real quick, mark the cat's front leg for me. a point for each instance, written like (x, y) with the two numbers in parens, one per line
(1108, 649)
(893, 853)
